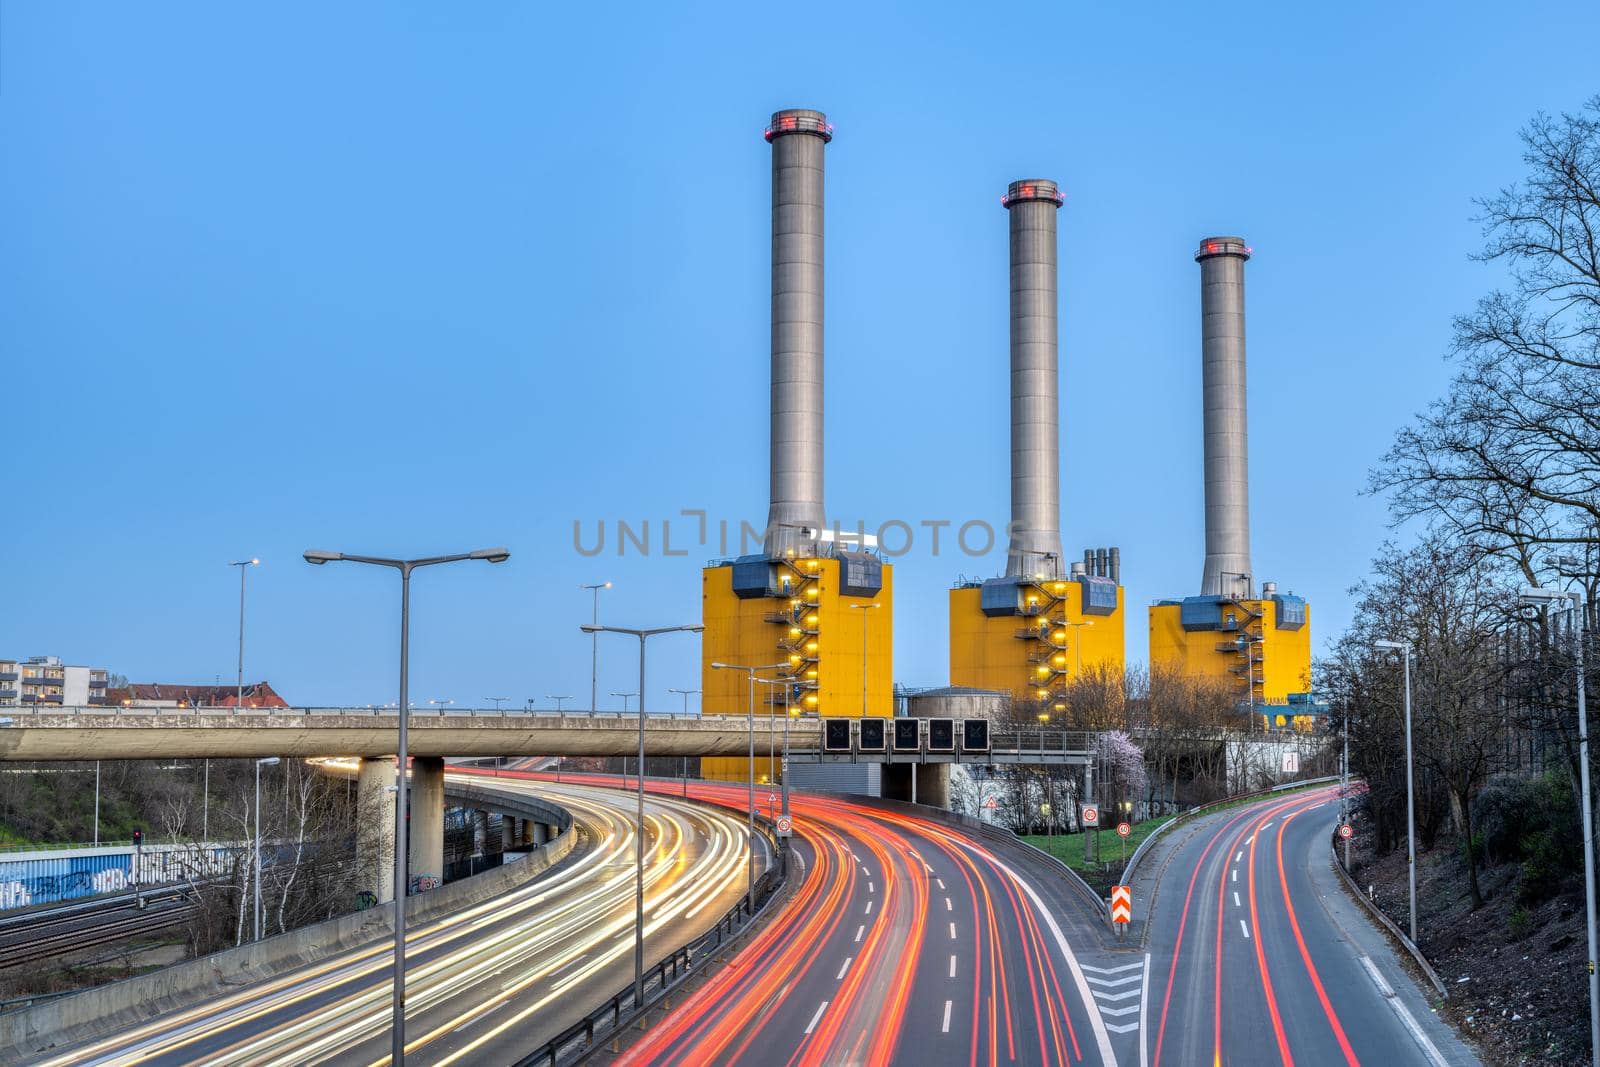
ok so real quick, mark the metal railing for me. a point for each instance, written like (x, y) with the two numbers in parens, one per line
(416, 712)
(661, 978)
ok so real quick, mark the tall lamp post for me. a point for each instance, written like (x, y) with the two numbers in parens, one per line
(243, 565)
(638, 853)
(268, 761)
(1077, 645)
(594, 643)
(1404, 648)
(864, 607)
(1548, 598)
(625, 698)
(405, 567)
(558, 700)
(750, 733)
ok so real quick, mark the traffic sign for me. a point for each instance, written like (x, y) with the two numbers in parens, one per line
(991, 804)
(1121, 903)
(1091, 815)
(1345, 831)
(1291, 762)
(1123, 829)
(785, 826)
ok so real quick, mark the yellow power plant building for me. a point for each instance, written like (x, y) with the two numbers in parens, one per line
(1259, 644)
(823, 622)
(1032, 637)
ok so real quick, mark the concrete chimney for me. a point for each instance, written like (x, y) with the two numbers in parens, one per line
(1227, 454)
(798, 137)
(1035, 548)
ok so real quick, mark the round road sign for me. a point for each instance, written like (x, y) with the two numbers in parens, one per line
(1091, 815)
(1123, 829)
(1345, 831)
(784, 826)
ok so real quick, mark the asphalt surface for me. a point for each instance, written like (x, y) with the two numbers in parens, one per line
(907, 942)
(1258, 956)
(488, 983)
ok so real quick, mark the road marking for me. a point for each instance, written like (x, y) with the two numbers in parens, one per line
(1264, 825)
(952, 965)
(812, 1025)
(1245, 929)
(871, 888)
(1111, 982)
(866, 873)
(1239, 857)
(1236, 898)
(1110, 970)
(952, 931)
(1429, 1049)
(859, 931)
(1129, 1010)
(1144, 999)
(869, 908)
(1236, 874)
(1377, 979)
(1125, 1028)
(1124, 995)
(946, 1028)
(840, 976)
(947, 906)
(940, 881)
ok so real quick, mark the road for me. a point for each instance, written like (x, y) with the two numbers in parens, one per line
(907, 942)
(490, 982)
(1259, 956)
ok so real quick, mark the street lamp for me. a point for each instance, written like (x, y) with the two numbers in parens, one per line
(594, 642)
(625, 698)
(1404, 648)
(596, 630)
(268, 761)
(405, 567)
(683, 761)
(1077, 645)
(558, 700)
(499, 702)
(1547, 598)
(243, 565)
(686, 694)
(441, 704)
(864, 607)
(750, 733)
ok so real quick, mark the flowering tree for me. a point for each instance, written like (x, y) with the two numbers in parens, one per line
(1122, 764)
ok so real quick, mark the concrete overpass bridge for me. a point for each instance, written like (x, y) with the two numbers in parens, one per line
(93, 733)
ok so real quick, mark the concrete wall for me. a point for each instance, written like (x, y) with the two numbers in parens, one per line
(95, 1012)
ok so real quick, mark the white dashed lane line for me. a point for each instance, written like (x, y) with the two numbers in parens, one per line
(945, 1029)
(812, 1025)
(952, 931)
(859, 931)
(840, 976)
(1244, 930)
(952, 966)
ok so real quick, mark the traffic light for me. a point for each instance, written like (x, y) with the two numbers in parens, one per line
(871, 734)
(907, 735)
(941, 735)
(974, 735)
(836, 735)
(138, 838)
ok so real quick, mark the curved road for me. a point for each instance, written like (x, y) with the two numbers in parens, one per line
(490, 982)
(1259, 956)
(908, 940)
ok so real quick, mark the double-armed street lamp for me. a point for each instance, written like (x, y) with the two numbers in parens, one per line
(405, 567)
(1404, 648)
(594, 642)
(595, 630)
(1547, 598)
(683, 762)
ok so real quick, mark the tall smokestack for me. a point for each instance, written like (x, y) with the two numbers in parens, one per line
(1227, 569)
(797, 137)
(1035, 549)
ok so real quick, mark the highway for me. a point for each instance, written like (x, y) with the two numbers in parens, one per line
(907, 942)
(490, 982)
(1259, 956)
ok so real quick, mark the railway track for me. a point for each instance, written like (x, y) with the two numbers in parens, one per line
(29, 938)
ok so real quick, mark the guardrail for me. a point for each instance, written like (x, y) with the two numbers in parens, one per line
(662, 977)
(1387, 923)
(415, 712)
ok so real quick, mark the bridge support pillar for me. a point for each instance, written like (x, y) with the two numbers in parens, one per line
(540, 834)
(427, 823)
(508, 833)
(375, 839)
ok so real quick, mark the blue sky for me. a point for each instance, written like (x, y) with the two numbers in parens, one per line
(415, 279)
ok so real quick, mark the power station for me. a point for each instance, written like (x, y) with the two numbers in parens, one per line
(814, 607)
(1045, 622)
(1257, 643)
(806, 625)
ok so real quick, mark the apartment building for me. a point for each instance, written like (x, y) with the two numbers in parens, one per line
(46, 680)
